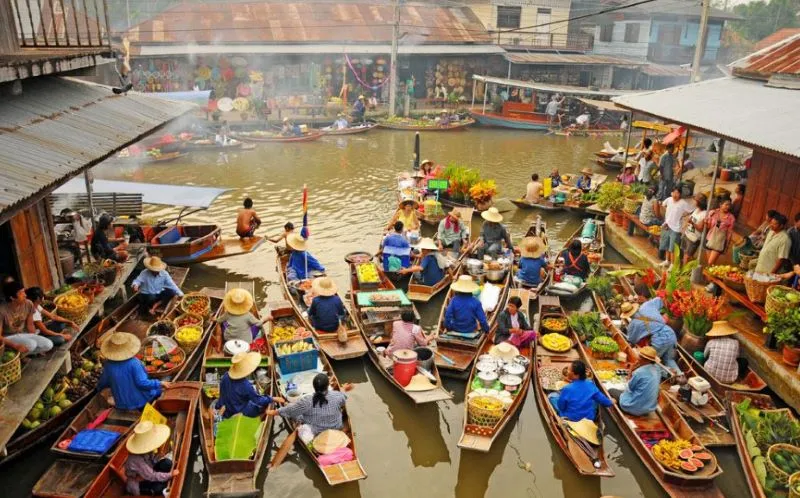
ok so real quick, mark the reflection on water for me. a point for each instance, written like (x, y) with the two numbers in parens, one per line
(404, 449)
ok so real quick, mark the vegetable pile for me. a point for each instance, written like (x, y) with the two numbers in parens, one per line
(555, 324)
(604, 345)
(197, 304)
(785, 295)
(157, 358)
(587, 325)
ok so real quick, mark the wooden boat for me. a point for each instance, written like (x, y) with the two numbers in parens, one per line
(609, 163)
(590, 132)
(184, 244)
(166, 157)
(232, 477)
(480, 437)
(375, 324)
(536, 229)
(399, 125)
(328, 341)
(334, 474)
(210, 145)
(266, 136)
(587, 459)
(350, 130)
(593, 248)
(544, 205)
(512, 118)
(74, 478)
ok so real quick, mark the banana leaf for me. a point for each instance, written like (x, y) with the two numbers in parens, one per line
(237, 437)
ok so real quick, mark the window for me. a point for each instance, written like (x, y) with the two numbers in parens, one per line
(508, 17)
(669, 34)
(605, 32)
(632, 32)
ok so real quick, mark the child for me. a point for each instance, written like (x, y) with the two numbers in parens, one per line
(54, 329)
(247, 220)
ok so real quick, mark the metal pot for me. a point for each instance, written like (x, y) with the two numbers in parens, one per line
(495, 275)
(474, 266)
(487, 378)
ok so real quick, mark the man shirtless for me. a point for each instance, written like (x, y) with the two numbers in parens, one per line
(247, 220)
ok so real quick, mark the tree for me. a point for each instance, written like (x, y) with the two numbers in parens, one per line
(760, 19)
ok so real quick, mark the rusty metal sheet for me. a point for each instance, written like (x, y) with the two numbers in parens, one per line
(781, 58)
(543, 58)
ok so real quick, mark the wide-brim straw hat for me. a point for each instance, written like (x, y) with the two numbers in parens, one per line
(721, 328)
(411, 201)
(424, 162)
(238, 301)
(532, 247)
(464, 284)
(147, 437)
(296, 242)
(285, 120)
(427, 243)
(120, 346)
(154, 263)
(243, 364)
(587, 171)
(586, 429)
(504, 351)
(329, 441)
(420, 383)
(324, 286)
(627, 310)
(649, 353)
(492, 214)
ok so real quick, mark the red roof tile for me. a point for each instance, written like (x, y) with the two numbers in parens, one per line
(775, 37)
(781, 58)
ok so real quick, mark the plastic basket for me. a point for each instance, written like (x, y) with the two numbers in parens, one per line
(773, 305)
(96, 441)
(485, 417)
(297, 362)
(11, 371)
(779, 475)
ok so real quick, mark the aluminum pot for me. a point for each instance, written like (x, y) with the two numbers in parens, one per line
(495, 275)
(474, 266)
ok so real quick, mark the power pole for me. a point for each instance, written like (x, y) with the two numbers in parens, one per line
(702, 36)
(393, 67)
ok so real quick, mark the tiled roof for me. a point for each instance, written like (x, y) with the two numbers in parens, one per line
(775, 37)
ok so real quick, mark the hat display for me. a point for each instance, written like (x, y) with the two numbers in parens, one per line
(329, 441)
(587, 171)
(721, 328)
(427, 243)
(120, 346)
(238, 301)
(296, 242)
(464, 284)
(243, 364)
(649, 353)
(532, 247)
(492, 215)
(154, 263)
(586, 429)
(504, 351)
(420, 383)
(628, 309)
(147, 437)
(324, 286)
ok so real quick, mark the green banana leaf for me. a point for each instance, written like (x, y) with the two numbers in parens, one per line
(237, 437)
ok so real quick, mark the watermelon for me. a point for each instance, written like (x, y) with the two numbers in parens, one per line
(697, 462)
(686, 454)
(703, 456)
(150, 369)
(169, 366)
(688, 467)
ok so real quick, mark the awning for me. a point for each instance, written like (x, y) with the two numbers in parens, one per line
(542, 87)
(311, 49)
(199, 97)
(602, 104)
(666, 71)
(548, 58)
(152, 193)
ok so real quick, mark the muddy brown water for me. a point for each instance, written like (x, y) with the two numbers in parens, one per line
(404, 449)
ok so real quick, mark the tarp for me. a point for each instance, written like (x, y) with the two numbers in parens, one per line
(602, 104)
(152, 193)
(199, 97)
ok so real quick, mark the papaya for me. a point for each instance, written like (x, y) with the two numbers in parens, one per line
(697, 462)
(169, 366)
(703, 456)
(688, 467)
(686, 454)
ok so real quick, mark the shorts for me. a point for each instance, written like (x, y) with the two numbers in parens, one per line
(689, 248)
(669, 239)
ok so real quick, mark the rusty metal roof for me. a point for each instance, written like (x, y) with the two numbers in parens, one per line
(775, 37)
(58, 127)
(308, 22)
(782, 58)
(665, 70)
(569, 59)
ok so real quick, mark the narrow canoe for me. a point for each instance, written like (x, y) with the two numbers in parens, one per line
(495, 119)
(594, 248)
(208, 145)
(185, 244)
(352, 130)
(545, 206)
(277, 138)
(458, 125)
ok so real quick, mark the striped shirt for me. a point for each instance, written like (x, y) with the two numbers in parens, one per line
(721, 357)
(319, 418)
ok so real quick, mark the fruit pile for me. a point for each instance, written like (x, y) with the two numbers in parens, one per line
(556, 342)
(297, 347)
(285, 330)
(667, 452)
(787, 461)
(157, 358)
(785, 295)
(8, 355)
(189, 336)
(72, 306)
(722, 271)
(197, 304)
(555, 324)
(188, 319)
(367, 273)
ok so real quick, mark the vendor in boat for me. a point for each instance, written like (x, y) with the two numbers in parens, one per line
(247, 221)
(125, 374)
(407, 213)
(147, 474)
(327, 310)
(585, 181)
(429, 169)
(444, 119)
(452, 234)
(102, 248)
(318, 412)
(54, 329)
(406, 334)
(640, 397)
(16, 322)
(341, 122)
(513, 326)
(154, 286)
(555, 178)
(395, 250)
(578, 399)
(432, 266)
(627, 177)
(576, 263)
(237, 394)
(237, 321)
(493, 234)
(722, 352)
(359, 109)
(532, 264)
(533, 191)
(300, 260)
(290, 129)
(647, 323)
(464, 311)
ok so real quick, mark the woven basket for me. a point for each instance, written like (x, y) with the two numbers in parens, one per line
(3, 391)
(756, 291)
(11, 371)
(779, 475)
(153, 329)
(77, 314)
(177, 320)
(482, 416)
(631, 205)
(794, 479)
(773, 305)
(193, 296)
(188, 346)
(744, 260)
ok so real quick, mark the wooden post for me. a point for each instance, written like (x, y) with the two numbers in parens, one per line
(485, 90)
(697, 275)
(685, 150)
(628, 141)
(89, 196)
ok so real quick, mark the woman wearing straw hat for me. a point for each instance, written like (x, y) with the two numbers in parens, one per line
(585, 181)
(125, 374)
(407, 213)
(327, 310)
(532, 265)
(237, 394)
(145, 475)
(154, 285)
(647, 323)
(640, 397)
(237, 322)
(432, 267)
(300, 260)
(578, 400)
(465, 312)
(722, 352)
(493, 234)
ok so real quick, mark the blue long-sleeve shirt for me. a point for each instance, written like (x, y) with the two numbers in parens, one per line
(431, 273)
(648, 322)
(641, 396)
(530, 270)
(296, 267)
(395, 245)
(129, 384)
(153, 283)
(464, 313)
(325, 312)
(239, 396)
(579, 399)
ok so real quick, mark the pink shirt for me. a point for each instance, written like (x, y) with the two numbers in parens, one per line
(405, 336)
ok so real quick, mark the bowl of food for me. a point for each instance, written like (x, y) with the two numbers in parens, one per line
(554, 323)
(511, 382)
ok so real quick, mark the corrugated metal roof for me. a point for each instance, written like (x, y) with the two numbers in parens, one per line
(665, 70)
(740, 110)
(775, 37)
(308, 22)
(312, 49)
(59, 126)
(568, 59)
(781, 58)
(544, 87)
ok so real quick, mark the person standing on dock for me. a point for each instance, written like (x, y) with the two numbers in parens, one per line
(464, 311)
(675, 209)
(666, 168)
(154, 285)
(125, 374)
(493, 234)
(776, 248)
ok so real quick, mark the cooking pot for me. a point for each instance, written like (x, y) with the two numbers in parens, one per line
(495, 275)
(474, 266)
(487, 378)
(510, 382)
(514, 368)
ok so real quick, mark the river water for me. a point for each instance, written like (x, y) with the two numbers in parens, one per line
(404, 449)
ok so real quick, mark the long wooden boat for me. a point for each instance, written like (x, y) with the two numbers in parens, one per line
(609, 163)
(184, 244)
(593, 248)
(74, 478)
(544, 205)
(589, 132)
(268, 137)
(457, 125)
(587, 459)
(209, 145)
(375, 325)
(533, 122)
(350, 130)
(335, 474)
(328, 341)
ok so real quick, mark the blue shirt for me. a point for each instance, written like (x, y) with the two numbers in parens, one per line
(395, 245)
(153, 283)
(579, 399)
(463, 313)
(648, 322)
(641, 396)
(239, 396)
(530, 270)
(584, 183)
(431, 273)
(129, 384)
(325, 312)
(298, 262)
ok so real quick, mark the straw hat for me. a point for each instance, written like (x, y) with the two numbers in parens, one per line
(409, 200)
(238, 301)
(586, 429)
(324, 286)
(285, 120)
(492, 214)
(649, 353)
(120, 346)
(243, 364)
(147, 437)
(587, 171)
(424, 162)
(154, 263)
(420, 383)
(360, 97)
(464, 284)
(721, 328)
(455, 213)
(532, 247)
(296, 242)
(628, 166)
(427, 243)
(329, 441)
(628, 309)
(504, 351)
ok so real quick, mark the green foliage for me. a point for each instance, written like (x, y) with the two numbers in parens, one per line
(760, 19)
(638, 188)
(611, 196)
(604, 344)
(237, 437)
(587, 325)
(600, 285)
(785, 326)
(461, 179)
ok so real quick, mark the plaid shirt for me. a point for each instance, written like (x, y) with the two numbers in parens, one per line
(319, 418)
(721, 357)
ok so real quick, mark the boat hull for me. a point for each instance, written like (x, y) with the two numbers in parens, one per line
(507, 122)
(460, 125)
(355, 130)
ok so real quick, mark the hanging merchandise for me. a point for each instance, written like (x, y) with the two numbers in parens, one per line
(361, 80)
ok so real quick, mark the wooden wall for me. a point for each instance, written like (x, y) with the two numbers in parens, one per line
(773, 183)
(34, 245)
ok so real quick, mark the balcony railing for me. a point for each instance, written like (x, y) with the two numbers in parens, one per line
(60, 23)
(532, 40)
(670, 54)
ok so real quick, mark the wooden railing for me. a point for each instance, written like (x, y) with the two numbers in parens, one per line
(57, 23)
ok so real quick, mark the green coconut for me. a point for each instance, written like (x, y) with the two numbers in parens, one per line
(55, 411)
(48, 394)
(26, 424)
(64, 404)
(35, 424)
(35, 414)
(39, 405)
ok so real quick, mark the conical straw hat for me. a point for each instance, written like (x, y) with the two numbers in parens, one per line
(147, 437)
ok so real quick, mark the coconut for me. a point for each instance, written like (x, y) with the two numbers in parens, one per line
(55, 411)
(87, 365)
(36, 413)
(48, 394)
(64, 404)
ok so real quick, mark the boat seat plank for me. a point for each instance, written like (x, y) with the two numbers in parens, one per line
(344, 472)
(353, 348)
(183, 240)
(235, 483)
(67, 478)
(475, 442)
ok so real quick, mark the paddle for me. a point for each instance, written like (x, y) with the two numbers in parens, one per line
(280, 455)
(445, 358)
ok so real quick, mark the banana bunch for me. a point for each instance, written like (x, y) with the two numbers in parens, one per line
(297, 347)
(556, 342)
(282, 334)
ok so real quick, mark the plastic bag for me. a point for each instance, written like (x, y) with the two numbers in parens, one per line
(489, 297)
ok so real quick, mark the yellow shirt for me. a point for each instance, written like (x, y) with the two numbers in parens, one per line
(410, 221)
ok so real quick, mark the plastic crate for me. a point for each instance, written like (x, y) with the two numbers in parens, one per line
(297, 362)
(93, 441)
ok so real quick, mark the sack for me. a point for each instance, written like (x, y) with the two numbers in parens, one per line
(716, 239)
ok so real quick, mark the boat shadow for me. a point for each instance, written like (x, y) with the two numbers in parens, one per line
(476, 468)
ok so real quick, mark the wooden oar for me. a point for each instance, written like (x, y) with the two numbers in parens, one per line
(445, 358)
(280, 455)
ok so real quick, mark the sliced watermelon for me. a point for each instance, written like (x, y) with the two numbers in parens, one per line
(696, 462)
(686, 454)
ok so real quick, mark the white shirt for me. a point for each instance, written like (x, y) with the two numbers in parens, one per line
(696, 218)
(623, 125)
(37, 314)
(583, 119)
(675, 212)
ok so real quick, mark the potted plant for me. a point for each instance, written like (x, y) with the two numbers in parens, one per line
(785, 328)
(482, 193)
(699, 311)
(611, 197)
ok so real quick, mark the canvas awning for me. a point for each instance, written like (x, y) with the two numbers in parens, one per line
(542, 87)
(152, 193)
(602, 104)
